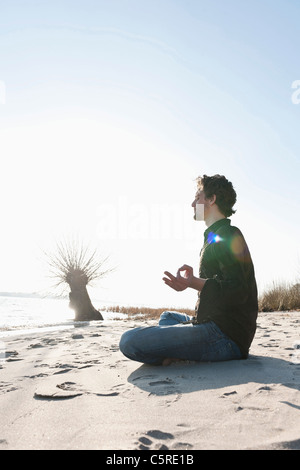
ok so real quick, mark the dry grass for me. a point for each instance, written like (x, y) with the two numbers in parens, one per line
(147, 312)
(280, 296)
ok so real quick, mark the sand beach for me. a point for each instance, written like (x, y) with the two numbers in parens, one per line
(73, 389)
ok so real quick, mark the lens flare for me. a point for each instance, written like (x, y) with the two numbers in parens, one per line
(213, 238)
(238, 247)
(235, 245)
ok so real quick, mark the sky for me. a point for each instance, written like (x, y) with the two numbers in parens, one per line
(110, 109)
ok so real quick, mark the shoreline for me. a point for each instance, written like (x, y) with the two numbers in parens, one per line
(73, 389)
(11, 331)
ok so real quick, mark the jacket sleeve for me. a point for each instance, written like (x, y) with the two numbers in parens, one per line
(228, 287)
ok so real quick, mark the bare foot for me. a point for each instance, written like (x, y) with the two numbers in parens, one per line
(169, 360)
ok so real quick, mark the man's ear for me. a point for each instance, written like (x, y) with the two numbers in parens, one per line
(212, 200)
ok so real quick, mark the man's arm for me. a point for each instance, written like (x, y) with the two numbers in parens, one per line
(180, 283)
(198, 283)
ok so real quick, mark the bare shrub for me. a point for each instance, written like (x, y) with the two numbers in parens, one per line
(280, 296)
(75, 265)
(73, 257)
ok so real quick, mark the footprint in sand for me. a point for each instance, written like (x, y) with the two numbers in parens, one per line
(77, 336)
(160, 440)
(63, 371)
(61, 391)
(227, 394)
(12, 356)
(152, 440)
(35, 346)
(165, 387)
(6, 387)
(66, 390)
(143, 377)
(162, 382)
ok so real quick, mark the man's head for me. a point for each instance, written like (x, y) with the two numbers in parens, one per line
(216, 195)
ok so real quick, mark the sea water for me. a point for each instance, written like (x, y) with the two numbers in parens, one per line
(19, 315)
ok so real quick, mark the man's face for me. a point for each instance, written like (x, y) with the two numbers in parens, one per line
(200, 205)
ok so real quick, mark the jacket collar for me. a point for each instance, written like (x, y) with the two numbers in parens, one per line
(215, 226)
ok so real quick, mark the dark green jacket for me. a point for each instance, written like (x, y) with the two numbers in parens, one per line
(229, 296)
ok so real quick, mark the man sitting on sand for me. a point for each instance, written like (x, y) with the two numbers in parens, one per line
(225, 315)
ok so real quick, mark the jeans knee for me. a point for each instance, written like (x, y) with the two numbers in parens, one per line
(123, 342)
(164, 318)
(169, 318)
(126, 345)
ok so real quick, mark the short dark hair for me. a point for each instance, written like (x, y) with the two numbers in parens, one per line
(222, 188)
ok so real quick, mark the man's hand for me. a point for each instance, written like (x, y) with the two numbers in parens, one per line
(180, 283)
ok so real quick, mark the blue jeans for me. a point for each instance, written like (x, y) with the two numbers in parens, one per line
(173, 339)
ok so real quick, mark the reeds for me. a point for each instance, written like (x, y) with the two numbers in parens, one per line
(280, 296)
(148, 313)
